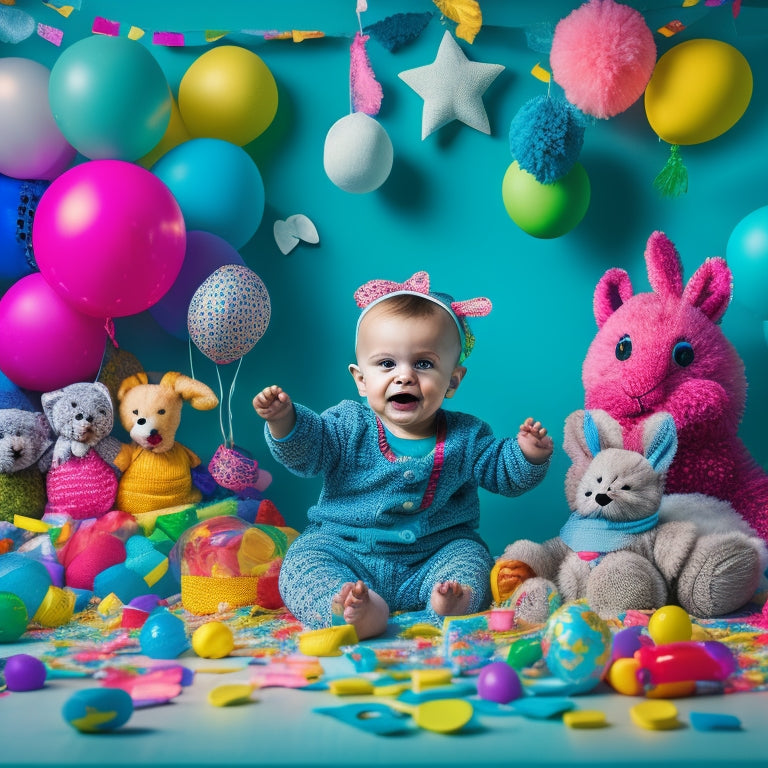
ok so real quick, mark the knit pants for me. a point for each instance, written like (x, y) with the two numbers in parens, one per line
(316, 565)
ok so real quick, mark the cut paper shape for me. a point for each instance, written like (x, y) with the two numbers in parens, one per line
(452, 88)
(466, 13)
(295, 229)
(51, 34)
(102, 26)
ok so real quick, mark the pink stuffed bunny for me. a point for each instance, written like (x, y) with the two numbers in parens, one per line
(663, 351)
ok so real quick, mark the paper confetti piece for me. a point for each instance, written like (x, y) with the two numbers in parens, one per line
(671, 28)
(212, 35)
(170, 39)
(102, 26)
(60, 5)
(64, 10)
(135, 33)
(690, 3)
(541, 74)
(51, 34)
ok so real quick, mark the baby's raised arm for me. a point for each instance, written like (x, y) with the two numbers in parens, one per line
(275, 406)
(534, 442)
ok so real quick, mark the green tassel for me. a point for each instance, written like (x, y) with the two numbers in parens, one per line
(672, 181)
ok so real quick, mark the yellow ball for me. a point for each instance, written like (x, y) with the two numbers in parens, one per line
(213, 640)
(670, 624)
(228, 93)
(699, 89)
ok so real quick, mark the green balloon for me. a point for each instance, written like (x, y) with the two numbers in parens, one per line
(546, 210)
(110, 98)
(13, 617)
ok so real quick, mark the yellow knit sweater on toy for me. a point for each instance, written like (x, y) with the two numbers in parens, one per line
(152, 481)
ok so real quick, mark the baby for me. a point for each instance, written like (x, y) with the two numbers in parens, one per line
(395, 526)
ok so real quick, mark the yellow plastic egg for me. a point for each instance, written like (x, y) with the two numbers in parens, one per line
(213, 640)
(670, 624)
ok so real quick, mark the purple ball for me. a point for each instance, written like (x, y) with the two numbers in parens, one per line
(499, 682)
(24, 673)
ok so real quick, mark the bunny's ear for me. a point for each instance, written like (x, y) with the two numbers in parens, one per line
(710, 288)
(589, 432)
(665, 270)
(613, 289)
(660, 440)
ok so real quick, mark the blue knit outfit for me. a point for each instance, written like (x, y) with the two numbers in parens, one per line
(400, 524)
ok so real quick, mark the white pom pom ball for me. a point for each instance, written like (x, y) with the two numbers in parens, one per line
(358, 153)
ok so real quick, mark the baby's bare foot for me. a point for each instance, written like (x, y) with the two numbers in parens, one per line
(449, 598)
(362, 608)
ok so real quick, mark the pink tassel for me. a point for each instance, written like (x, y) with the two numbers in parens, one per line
(366, 90)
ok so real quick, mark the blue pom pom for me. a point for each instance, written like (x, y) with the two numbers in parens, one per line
(545, 137)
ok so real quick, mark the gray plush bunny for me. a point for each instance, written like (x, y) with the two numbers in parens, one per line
(628, 546)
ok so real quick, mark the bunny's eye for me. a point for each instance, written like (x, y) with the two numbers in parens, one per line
(624, 348)
(626, 487)
(682, 354)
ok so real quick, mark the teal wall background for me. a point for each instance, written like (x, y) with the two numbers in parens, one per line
(441, 210)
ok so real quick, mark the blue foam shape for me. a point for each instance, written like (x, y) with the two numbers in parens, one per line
(714, 721)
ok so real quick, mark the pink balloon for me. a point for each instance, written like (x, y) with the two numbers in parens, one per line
(45, 344)
(109, 237)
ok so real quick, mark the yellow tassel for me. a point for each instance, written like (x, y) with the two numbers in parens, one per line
(466, 13)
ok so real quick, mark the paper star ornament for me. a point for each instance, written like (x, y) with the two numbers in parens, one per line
(452, 88)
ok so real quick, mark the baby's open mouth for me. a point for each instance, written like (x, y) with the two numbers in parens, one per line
(403, 398)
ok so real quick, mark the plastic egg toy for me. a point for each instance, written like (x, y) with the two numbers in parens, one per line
(577, 646)
(163, 635)
(213, 640)
(98, 709)
(26, 577)
(499, 682)
(670, 624)
(23, 672)
(13, 617)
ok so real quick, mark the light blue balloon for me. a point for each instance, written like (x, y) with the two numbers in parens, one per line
(110, 98)
(747, 256)
(217, 186)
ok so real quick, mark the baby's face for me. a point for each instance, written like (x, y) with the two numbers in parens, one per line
(406, 366)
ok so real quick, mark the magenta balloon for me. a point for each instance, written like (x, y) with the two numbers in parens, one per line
(205, 253)
(109, 237)
(45, 343)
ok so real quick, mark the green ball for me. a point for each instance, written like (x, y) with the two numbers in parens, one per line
(546, 210)
(13, 617)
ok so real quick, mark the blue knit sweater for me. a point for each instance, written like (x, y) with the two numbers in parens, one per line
(370, 496)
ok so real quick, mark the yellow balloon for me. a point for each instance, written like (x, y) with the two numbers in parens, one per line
(228, 93)
(698, 90)
(176, 133)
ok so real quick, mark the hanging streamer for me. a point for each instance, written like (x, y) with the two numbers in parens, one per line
(366, 90)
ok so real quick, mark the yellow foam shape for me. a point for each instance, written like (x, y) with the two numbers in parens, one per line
(109, 604)
(30, 524)
(421, 630)
(655, 715)
(228, 695)
(438, 715)
(350, 686)
(429, 678)
(391, 689)
(327, 641)
(585, 718)
(157, 572)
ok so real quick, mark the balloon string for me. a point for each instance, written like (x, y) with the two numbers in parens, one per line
(191, 363)
(229, 403)
(221, 406)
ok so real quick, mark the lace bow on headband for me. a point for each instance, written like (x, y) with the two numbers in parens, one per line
(374, 291)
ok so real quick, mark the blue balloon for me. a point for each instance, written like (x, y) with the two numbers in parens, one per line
(747, 256)
(163, 635)
(217, 186)
(18, 202)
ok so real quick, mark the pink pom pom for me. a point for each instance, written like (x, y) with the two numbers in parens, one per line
(603, 55)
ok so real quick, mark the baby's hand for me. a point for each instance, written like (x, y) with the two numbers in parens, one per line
(534, 442)
(275, 405)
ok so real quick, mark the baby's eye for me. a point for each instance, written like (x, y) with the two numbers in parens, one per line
(682, 354)
(423, 365)
(387, 364)
(624, 348)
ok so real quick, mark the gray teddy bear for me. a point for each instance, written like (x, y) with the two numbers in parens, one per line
(628, 546)
(82, 481)
(25, 440)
